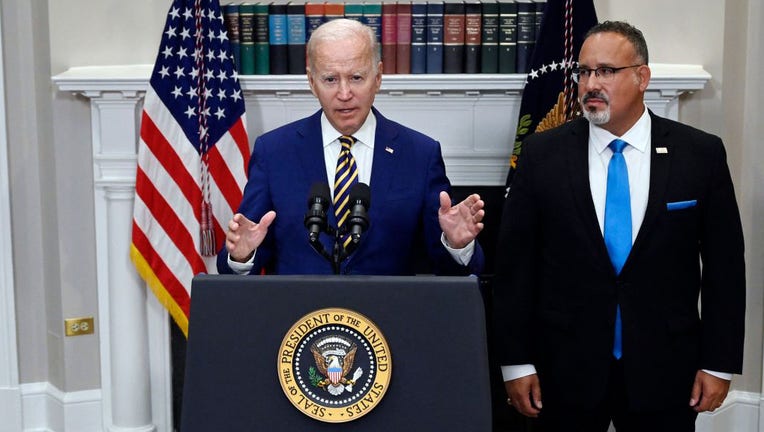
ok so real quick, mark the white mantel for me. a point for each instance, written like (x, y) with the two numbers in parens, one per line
(473, 116)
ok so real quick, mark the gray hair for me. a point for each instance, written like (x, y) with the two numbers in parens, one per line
(342, 29)
(631, 33)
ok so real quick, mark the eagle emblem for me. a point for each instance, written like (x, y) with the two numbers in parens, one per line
(334, 357)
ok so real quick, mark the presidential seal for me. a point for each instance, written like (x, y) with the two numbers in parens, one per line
(334, 365)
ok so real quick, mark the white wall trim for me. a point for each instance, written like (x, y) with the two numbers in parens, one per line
(48, 409)
(10, 396)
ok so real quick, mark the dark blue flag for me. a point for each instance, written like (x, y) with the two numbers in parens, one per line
(549, 96)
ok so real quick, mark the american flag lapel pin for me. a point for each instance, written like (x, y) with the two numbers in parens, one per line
(661, 150)
(389, 150)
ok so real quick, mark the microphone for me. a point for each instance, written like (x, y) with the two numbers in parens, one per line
(360, 201)
(318, 202)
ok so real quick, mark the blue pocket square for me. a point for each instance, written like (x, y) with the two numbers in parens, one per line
(679, 205)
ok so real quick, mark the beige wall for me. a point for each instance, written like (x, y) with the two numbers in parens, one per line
(51, 166)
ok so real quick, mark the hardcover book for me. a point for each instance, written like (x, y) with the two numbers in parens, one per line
(453, 36)
(526, 34)
(419, 37)
(277, 32)
(489, 43)
(262, 40)
(296, 37)
(507, 36)
(247, 38)
(314, 17)
(231, 18)
(354, 11)
(540, 5)
(389, 36)
(372, 17)
(473, 22)
(434, 37)
(334, 9)
(403, 38)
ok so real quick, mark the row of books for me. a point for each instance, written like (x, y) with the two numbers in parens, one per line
(416, 37)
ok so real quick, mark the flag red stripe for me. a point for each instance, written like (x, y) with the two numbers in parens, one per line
(239, 134)
(165, 154)
(174, 227)
(224, 178)
(167, 278)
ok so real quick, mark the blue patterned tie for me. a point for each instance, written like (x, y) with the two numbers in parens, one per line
(617, 223)
(345, 177)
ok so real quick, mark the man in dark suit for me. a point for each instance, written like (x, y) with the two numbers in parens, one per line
(410, 208)
(592, 328)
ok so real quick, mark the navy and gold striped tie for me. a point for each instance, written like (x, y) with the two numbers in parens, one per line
(345, 177)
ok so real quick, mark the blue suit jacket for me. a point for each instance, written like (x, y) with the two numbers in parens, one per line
(407, 176)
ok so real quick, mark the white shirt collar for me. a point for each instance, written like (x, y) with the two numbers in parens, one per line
(364, 135)
(638, 136)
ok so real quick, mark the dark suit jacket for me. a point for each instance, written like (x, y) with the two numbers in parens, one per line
(556, 291)
(407, 176)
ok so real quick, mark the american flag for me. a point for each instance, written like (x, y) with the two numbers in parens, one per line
(549, 95)
(192, 155)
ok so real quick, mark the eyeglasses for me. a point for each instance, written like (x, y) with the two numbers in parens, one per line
(605, 73)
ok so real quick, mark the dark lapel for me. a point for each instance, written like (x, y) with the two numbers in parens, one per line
(660, 164)
(577, 153)
(309, 147)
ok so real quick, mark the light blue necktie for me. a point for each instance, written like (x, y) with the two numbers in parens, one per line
(617, 223)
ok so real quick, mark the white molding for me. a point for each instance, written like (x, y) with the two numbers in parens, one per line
(456, 109)
(48, 409)
(10, 393)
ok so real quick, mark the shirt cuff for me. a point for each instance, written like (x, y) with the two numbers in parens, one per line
(242, 268)
(463, 255)
(513, 372)
(722, 375)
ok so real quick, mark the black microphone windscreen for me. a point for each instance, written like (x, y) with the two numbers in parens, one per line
(361, 192)
(319, 190)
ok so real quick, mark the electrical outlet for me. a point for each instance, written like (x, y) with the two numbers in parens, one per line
(79, 326)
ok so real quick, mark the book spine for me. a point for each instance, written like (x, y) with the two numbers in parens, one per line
(314, 17)
(262, 57)
(540, 6)
(403, 38)
(389, 37)
(334, 9)
(489, 43)
(434, 37)
(296, 38)
(247, 38)
(354, 11)
(231, 18)
(277, 32)
(473, 21)
(453, 37)
(507, 37)
(418, 38)
(526, 34)
(372, 17)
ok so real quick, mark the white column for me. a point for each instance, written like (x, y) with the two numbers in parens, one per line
(10, 394)
(125, 355)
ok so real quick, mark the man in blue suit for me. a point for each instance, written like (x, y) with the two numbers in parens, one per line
(411, 210)
(615, 226)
